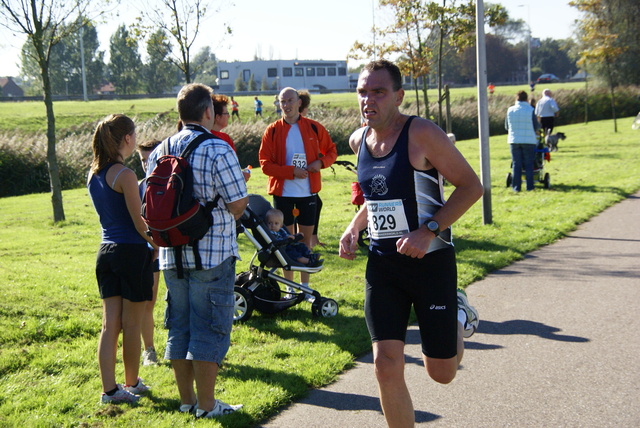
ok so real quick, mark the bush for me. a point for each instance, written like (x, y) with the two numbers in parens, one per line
(23, 166)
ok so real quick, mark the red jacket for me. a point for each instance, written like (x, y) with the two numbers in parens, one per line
(273, 153)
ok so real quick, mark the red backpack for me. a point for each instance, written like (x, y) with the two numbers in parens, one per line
(174, 217)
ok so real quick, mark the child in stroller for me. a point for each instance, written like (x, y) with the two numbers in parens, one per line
(259, 287)
(294, 249)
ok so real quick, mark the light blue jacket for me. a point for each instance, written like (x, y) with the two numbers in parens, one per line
(522, 124)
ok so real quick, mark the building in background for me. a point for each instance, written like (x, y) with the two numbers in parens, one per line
(315, 76)
(10, 88)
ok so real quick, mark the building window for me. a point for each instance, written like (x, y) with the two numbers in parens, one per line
(272, 72)
(311, 71)
(322, 71)
(331, 71)
(224, 74)
(342, 71)
(299, 71)
(287, 71)
(246, 75)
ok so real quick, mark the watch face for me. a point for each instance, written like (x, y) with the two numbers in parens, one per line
(432, 225)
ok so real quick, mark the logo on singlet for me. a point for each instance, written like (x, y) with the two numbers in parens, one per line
(379, 185)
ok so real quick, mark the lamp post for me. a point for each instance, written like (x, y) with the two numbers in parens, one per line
(528, 41)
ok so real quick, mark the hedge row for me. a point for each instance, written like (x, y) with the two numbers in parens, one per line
(23, 166)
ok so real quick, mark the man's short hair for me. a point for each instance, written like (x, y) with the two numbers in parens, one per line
(193, 100)
(392, 69)
(522, 96)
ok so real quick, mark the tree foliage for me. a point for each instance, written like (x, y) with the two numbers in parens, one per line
(125, 64)
(420, 32)
(207, 65)
(66, 60)
(182, 20)
(609, 37)
(159, 74)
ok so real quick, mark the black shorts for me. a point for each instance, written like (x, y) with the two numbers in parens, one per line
(306, 206)
(395, 283)
(125, 270)
(547, 122)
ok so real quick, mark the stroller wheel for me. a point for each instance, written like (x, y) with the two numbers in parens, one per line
(324, 307)
(509, 180)
(547, 181)
(243, 306)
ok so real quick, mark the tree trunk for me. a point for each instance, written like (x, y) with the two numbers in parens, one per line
(52, 160)
(415, 87)
(425, 87)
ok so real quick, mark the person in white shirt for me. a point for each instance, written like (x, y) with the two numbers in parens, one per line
(547, 110)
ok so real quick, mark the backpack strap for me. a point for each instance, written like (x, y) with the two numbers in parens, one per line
(195, 143)
(164, 147)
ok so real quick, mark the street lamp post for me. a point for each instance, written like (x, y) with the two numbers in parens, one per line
(528, 42)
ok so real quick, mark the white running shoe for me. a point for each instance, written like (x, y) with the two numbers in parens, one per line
(219, 409)
(471, 325)
(188, 408)
(138, 388)
(149, 357)
(121, 396)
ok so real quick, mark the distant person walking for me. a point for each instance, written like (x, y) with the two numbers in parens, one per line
(234, 110)
(491, 88)
(276, 106)
(257, 104)
(547, 110)
(123, 265)
(522, 125)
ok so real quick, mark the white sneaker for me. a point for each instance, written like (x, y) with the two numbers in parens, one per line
(471, 325)
(188, 408)
(149, 357)
(138, 388)
(219, 409)
(121, 396)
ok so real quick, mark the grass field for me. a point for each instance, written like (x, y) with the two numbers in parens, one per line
(50, 311)
(31, 115)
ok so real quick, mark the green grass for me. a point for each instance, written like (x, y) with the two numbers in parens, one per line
(31, 115)
(50, 311)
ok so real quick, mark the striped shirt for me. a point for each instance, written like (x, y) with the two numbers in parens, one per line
(216, 171)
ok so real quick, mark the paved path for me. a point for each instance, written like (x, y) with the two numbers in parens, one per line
(558, 345)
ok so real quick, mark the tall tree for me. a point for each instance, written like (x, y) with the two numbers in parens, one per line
(553, 57)
(66, 59)
(600, 40)
(419, 32)
(42, 22)
(207, 65)
(125, 63)
(159, 74)
(182, 19)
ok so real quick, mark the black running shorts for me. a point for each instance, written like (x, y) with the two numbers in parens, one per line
(125, 270)
(395, 283)
(306, 207)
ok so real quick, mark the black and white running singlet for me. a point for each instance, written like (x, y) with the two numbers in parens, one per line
(399, 198)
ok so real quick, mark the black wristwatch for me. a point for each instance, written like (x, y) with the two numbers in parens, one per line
(433, 226)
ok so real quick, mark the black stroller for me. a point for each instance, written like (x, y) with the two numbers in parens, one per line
(541, 157)
(258, 288)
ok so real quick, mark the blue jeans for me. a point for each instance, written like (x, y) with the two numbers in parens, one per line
(199, 312)
(522, 156)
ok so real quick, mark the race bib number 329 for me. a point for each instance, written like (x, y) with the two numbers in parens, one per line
(386, 219)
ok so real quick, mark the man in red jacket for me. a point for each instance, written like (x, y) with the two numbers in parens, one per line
(293, 151)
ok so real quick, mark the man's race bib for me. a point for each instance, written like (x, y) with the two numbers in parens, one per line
(299, 160)
(386, 219)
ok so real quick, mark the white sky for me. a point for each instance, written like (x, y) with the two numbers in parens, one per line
(290, 29)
